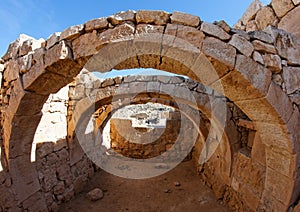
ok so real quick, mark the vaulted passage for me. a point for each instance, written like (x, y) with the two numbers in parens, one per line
(244, 123)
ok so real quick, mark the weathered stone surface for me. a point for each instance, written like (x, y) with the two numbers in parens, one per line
(72, 32)
(288, 47)
(251, 26)
(258, 57)
(214, 30)
(30, 45)
(290, 22)
(152, 17)
(96, 24)
(256, 74)
(296, 2)
(281, 7)
(223, 25)
(265, 16)
(13, 49)
(262, 36)
(52, 40)
(244, 46)
(185, 19)
(147, 28)
(263, 47)
(95, 194)
(12, 71)
(220, 51)
(35, 203)
(241, 33)
(192, 35)
(291, 77)
(122, 17)
(251, 11)
(273, 62)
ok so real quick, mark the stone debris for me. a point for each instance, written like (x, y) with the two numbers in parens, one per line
(95, 194)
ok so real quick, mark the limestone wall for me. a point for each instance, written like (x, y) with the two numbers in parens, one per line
(137, 145)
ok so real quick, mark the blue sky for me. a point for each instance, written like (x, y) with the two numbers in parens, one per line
(40, 18)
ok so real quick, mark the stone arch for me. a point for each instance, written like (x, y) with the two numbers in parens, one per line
(163, 45)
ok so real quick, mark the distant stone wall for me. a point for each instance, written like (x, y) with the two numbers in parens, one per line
(146, 143)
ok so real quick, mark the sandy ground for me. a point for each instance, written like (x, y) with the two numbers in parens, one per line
(155, 194)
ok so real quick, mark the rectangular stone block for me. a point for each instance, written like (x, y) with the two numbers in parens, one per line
(152, 17)
(185, 19)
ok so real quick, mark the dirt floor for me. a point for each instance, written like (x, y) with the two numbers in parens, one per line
(155, 194)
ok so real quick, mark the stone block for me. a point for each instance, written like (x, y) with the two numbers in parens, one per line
(96, 24)
(290, 22)
(291, 78)
(273, 62)
(220, 51)
(288, 46)
(72, 32)
(265, 17)
(251, 11)
(242, 44)
(281, 7)
(185, 19)
(122, 17)
(214, 30)
(152, 17)
(52, 40)
(262, 36)
(263, 47)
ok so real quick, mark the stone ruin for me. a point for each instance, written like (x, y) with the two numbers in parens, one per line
(253, 68)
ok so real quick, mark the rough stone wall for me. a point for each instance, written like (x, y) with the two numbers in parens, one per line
(162, 139)
(283, 14)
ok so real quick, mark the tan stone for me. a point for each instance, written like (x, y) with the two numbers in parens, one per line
(258, 152)
(214, 30)
(251, 11)
(220, 51)
(147, 28)
(281, 7)
(185, 19)
(192, 35)
(96, 24)
(291, 77)
(263, 47)
(85, 45)
(13, 49)
(223, 25)
(244, 46)
(265, 17)
(258, 57)
(290, 22)
(277, 79)
(21, 101)
(122, 17)
(279, 186)
(152, 17)
(288, 46)
(296, 2)
(249, 80)
(251, 26)
(12, 71)
(262, 36)
(52, 40)
(273, 62)
(72, 32)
